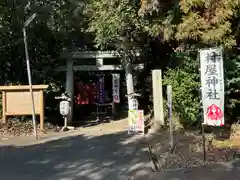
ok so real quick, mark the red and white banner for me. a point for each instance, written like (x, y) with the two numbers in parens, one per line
(212, 81)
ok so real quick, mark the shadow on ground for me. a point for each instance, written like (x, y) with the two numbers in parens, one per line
(86, 157)
(209, 172)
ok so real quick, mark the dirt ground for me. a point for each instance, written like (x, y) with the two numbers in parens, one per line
(188, 149)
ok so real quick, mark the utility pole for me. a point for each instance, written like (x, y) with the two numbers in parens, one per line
(29, 70)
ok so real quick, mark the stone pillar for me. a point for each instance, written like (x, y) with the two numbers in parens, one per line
(70, 87)
(157, 97)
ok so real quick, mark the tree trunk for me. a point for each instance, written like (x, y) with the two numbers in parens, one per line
(129, 79)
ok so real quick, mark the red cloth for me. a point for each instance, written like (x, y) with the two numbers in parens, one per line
(85, 94)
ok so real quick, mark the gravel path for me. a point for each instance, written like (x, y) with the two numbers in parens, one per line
(100, 153)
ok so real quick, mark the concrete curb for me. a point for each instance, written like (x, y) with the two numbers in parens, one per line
(156, 164)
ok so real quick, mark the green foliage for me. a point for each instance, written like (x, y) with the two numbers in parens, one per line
(232, 85)
(114, 22)
(193, 23)
(176, 25)
(184, 78)
(57, 26)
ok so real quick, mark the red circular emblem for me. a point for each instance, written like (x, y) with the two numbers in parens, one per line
(214, 112)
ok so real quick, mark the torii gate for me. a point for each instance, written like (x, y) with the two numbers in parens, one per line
(97, 57)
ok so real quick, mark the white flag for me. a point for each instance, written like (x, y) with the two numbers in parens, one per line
(212, 82)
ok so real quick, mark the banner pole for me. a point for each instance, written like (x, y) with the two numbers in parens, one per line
(169, 99)
(202, 123)
(204, 144)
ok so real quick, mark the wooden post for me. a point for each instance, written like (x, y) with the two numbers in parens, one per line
(157, 97)
(41, 110)
(4, 119)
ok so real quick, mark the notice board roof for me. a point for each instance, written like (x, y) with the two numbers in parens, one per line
(22, 87)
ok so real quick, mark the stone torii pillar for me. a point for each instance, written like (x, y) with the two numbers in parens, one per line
(70, 87)
(157, 97)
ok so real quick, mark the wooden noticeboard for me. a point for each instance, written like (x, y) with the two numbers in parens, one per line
(16, 101)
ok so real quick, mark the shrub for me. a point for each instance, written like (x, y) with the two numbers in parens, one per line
(184, 77)
(232, 86)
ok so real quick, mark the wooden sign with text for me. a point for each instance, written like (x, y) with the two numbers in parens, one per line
(16, 101)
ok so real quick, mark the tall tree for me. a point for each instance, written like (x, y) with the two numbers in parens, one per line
(116, 25)
(57, 26)
(192, 23)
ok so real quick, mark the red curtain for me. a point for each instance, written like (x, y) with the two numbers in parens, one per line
(85, 93)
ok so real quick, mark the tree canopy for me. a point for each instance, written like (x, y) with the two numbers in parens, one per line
(57, 27)
(193, 23)
(157, 27)
(115, 23)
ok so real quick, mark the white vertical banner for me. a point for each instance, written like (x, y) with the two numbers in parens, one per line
(212, 86)
(116, 87)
